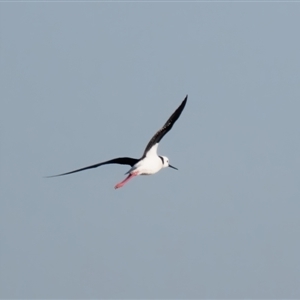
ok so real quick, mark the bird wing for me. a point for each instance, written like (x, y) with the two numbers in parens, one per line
(120, 160)
(166, 128)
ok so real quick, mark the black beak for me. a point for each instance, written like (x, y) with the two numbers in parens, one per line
(173, 167)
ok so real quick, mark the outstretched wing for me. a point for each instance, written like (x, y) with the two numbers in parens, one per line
(166, 128)
(120, 160)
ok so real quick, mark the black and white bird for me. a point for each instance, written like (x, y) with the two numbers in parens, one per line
(150, 163)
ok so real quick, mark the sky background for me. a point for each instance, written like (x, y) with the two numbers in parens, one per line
(85, 82)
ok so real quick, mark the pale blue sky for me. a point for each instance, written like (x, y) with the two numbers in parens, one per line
(86, 82)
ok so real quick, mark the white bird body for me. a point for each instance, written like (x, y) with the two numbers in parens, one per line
(150, 163)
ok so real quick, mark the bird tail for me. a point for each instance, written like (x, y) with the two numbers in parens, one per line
(130, 170)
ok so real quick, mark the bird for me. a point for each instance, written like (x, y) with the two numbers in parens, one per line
(150, 162)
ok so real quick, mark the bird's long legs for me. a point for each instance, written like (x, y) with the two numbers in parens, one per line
(120, 184)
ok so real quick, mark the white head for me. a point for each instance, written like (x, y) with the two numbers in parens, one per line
(165, 162)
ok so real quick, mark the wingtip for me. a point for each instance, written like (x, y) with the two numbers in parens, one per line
(184, 100)
(49, 176)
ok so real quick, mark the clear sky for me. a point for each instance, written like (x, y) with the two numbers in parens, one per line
(86, 82)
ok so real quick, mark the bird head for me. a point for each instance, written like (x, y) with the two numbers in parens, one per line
(166, 163)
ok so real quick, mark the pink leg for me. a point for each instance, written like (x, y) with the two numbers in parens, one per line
(120, 184)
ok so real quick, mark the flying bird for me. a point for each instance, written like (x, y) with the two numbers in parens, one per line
(150, 163)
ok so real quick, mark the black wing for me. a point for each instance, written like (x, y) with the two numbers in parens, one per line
(120, 160)
(167, 127)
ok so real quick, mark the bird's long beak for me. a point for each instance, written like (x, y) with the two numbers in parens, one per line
(173, 167)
